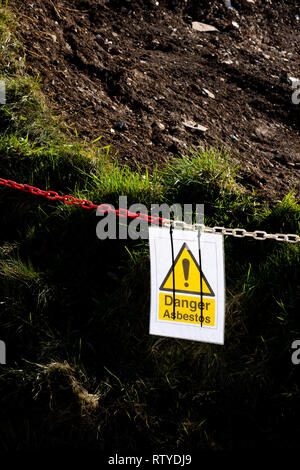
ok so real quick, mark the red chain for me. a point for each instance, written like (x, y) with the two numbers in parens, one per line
(104, 208)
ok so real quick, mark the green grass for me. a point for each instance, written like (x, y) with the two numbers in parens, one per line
(82, 369)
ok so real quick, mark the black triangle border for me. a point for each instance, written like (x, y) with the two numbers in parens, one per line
(211, 294)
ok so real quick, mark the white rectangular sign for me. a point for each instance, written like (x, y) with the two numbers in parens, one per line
(176, 307)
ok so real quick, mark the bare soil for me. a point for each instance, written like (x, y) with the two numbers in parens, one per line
(136, 73)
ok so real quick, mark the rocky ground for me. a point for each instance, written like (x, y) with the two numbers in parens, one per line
(153, 82)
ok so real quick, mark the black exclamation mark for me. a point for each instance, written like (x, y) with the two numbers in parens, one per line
(186, 269)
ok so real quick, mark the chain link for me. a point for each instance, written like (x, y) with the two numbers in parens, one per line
(106, 208)
(257, 234)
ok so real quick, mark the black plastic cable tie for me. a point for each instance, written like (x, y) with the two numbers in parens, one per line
(201, 277)
(173, 270)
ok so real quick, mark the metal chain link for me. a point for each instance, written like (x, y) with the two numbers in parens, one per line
(235, 232)
(106, 208)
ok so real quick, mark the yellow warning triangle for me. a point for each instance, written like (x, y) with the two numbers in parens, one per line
(187, 275)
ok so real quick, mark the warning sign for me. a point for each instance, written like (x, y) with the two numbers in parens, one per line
(179, 307)
(187, 275)
(187, 309)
